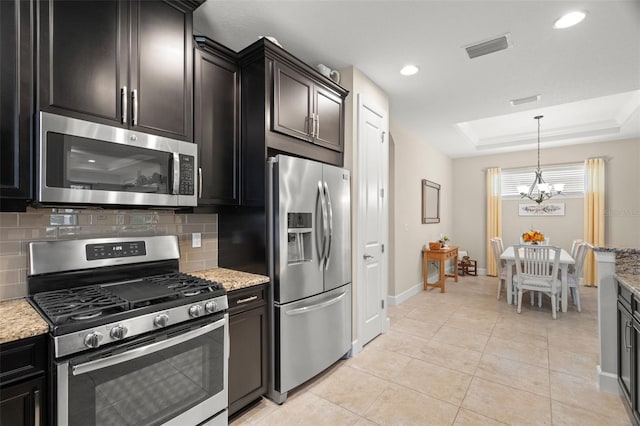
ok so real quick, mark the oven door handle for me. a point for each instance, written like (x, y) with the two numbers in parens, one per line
(145, 350)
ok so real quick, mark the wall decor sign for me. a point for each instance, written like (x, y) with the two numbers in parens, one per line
(548, 209)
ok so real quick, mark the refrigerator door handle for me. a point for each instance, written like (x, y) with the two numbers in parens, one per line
(324, 225)
(321, 305)
(330, 223)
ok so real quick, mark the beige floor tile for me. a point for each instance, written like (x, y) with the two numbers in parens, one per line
(423, 329)
(583, 393)
(574, 342)
(516, 333)
(513, 373)
(432, 313)
(399, 311)
(480, 326)
(450, 356)
(380, 363)
(394, 341)
(460, 337)
(256, 413)
(434, 380)
(507, 404)
(522, 352)
(401, 406)
(308, 409)
(350, 388)
(469, 418)
(583, 365)
(567, 415)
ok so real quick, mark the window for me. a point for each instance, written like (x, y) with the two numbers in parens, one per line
(572, 175)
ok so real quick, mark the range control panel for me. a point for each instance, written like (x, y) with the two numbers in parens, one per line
(112, 250)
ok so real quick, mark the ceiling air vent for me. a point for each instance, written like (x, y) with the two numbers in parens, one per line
(521, 101)
(484, 48)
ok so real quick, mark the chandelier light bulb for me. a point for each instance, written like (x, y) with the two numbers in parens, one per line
(569, 20)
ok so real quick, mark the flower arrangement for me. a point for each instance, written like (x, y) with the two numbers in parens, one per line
(533, 237)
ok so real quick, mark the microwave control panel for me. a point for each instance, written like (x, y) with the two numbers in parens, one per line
(187, 174)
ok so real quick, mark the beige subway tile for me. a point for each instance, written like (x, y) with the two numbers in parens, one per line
(9, 248)
(13, 262)
(192, 266)
(187, 229)
(201, 218)
(200, 254)
(12, 276)
(211, 263)
(211, 227)
(13, 234)
(13, 291)
(8, 220)
(28, 220)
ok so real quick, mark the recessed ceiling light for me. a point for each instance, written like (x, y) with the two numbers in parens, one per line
(91, 161)
(569, 20)
(409, 70)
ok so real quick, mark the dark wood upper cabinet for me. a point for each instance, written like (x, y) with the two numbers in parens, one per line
(217, 123)
(16, 103)
(123, 63)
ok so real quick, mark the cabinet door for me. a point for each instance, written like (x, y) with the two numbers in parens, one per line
(248, 357)
(83, 59)
(16, 94)
(161, 69)
(216, 122)
(292, 103)
(21, 404)
(329, 119)
(625, 350)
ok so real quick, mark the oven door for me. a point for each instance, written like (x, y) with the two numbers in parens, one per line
(176, 377)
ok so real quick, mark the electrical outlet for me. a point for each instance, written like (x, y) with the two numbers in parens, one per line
(196, 240)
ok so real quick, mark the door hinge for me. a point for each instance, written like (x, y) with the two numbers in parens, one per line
(383, 248)
(382, 136)
(382, 303)
(381, 192)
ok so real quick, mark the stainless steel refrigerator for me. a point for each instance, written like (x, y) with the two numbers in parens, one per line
(309, 226)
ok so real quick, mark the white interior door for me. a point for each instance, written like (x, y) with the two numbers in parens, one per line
(372, 222)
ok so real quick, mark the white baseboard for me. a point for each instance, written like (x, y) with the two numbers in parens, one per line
(412, 291)
(608, 382)
(356, 348)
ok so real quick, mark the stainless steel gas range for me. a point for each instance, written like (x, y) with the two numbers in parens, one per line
(133, 341)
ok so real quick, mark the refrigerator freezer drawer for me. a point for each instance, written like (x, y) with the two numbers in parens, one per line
(314, 333)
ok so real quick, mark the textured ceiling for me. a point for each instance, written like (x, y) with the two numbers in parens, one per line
(588, 76)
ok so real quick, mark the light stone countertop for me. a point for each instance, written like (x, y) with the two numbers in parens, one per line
(230, 279)
(18, 320)
(631, 281)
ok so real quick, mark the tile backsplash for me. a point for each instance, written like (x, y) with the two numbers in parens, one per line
(17, 229)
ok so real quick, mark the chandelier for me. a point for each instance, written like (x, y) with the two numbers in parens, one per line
(539, 189)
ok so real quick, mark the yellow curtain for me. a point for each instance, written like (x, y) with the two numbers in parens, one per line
(494, 216)
(593, 214)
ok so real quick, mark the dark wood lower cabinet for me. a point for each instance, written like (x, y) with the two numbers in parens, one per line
(628, 315)
(248, 332)
(23, 383)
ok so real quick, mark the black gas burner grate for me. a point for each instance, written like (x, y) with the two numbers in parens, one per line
(79, 303)
(186, 285)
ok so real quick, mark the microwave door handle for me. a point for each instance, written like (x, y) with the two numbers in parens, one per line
(175, 171)
(101, 363)
(330, 224)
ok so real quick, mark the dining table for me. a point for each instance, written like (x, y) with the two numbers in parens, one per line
(565, 260)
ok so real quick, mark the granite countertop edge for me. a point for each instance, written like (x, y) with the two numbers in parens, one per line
(625, 250)
(631, 281)
(231, 279)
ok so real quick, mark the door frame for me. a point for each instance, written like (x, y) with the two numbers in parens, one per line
(359, 251)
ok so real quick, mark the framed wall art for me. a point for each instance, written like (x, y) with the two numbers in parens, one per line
(546, 209)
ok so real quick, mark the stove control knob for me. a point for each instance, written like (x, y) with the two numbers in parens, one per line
(92, 340)
(118, 332)
(195, 310)
(211, 306)
(161, 320)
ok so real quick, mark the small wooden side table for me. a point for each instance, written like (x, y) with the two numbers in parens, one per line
(441, 256)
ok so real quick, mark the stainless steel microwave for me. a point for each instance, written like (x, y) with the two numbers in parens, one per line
(85, 163)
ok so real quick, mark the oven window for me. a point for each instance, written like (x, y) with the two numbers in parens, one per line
(151, 389)
(81, 163)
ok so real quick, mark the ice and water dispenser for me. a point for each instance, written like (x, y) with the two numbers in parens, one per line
(299, 228)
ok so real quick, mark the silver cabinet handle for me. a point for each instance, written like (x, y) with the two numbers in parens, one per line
(317, 126)
(123, 104)
(311, 124)
(199, 182)
(37, 409)
(247, 299)
(627, 326)
(134, 97)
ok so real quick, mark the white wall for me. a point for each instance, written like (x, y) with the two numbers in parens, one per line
(622, 198)
(413, 160)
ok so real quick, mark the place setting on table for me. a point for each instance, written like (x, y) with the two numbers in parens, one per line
(538, 266)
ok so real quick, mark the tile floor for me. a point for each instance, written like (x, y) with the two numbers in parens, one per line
(461, 358)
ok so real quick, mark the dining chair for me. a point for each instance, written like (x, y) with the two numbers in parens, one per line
(574, 277)
(537, 270)
(498, 248)
(574, 247)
